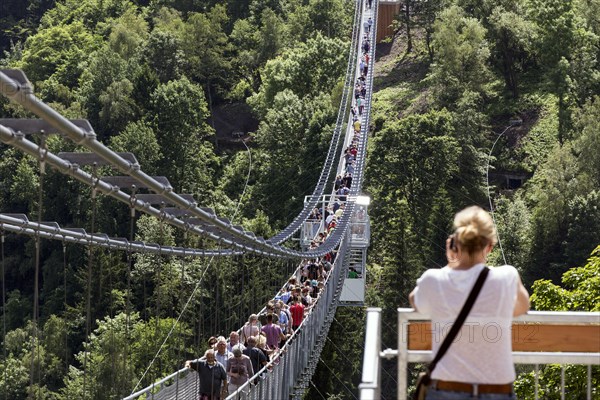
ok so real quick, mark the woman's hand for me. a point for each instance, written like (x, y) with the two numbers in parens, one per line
(452, 254)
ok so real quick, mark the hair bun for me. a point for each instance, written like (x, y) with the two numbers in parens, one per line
(474, 229)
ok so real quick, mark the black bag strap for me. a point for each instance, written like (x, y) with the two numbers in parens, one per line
(460, 320)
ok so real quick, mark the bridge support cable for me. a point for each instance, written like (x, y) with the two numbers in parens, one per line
(3, 266)
(35, 340)
(88, 294)
(257, 245)
(278, 378)
(19, 224)
(15, 86)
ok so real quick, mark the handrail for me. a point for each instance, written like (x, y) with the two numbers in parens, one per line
(571, 318)
(370, 387)
(30, 228)
(261, 247)
(323, 180)
(297, 344)
(312, 324)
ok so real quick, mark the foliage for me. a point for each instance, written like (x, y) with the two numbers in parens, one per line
(139, 138)
(513, 36)
(294, 70)
(181, 112)
(58, 51)
(206, 46)
(461, 56)
(581, 292)
(513, 222)
(536, 146)
(587, 143)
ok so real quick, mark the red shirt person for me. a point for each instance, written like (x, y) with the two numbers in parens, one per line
(297, 311)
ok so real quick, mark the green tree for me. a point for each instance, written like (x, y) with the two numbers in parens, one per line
(330, 18)
(587, 143)
(118, 107)
(580, 292)
(180, 114)
(128, 34)
(139, 138)
(512, 37)
(103, 68)
(60, 51)
(461, 56)
(556, 24)
(206, 47)
(584, 224)
(253, 47)
(164, 54)
(290, 137)
(92, 13)
(24, 187)
(513, 222)
(109, 371)
(295, 70)
(424, 14)
(552, 187)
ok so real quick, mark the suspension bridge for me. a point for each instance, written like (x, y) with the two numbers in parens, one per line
(288, 374)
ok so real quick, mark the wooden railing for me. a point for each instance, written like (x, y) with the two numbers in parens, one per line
(538, 337)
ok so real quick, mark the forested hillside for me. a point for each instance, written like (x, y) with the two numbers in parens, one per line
(458, 77)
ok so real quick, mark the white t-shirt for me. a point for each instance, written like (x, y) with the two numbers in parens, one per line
(481, 351)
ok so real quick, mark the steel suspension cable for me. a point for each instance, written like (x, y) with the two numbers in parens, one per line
(65, 305)
(319, 189)
(43, 151)
(88, 299)
(113, 358)
(337, 377)
(317, 389)
(487, 175)
(64, 167)
(126, 360)
(184, 308)
(4, 372)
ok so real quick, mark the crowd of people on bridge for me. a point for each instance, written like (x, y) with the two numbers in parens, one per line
(229, 363)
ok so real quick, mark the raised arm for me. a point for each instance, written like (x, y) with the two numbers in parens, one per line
(522, 303)
(411, 299)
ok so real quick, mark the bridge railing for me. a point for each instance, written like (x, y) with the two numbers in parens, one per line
(279, 378)
(539, 337)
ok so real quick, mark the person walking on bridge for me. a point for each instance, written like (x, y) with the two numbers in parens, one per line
(240, 369)
(212, 376)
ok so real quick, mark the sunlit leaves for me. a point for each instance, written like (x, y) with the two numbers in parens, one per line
(58, 50)
(461, 56)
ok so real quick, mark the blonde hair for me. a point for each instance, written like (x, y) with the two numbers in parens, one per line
(474, 229)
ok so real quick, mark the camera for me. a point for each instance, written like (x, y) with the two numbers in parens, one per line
(452, 243)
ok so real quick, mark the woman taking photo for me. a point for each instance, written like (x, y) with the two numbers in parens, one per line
(478, 361)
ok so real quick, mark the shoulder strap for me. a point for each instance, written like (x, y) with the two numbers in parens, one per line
(462, 316)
